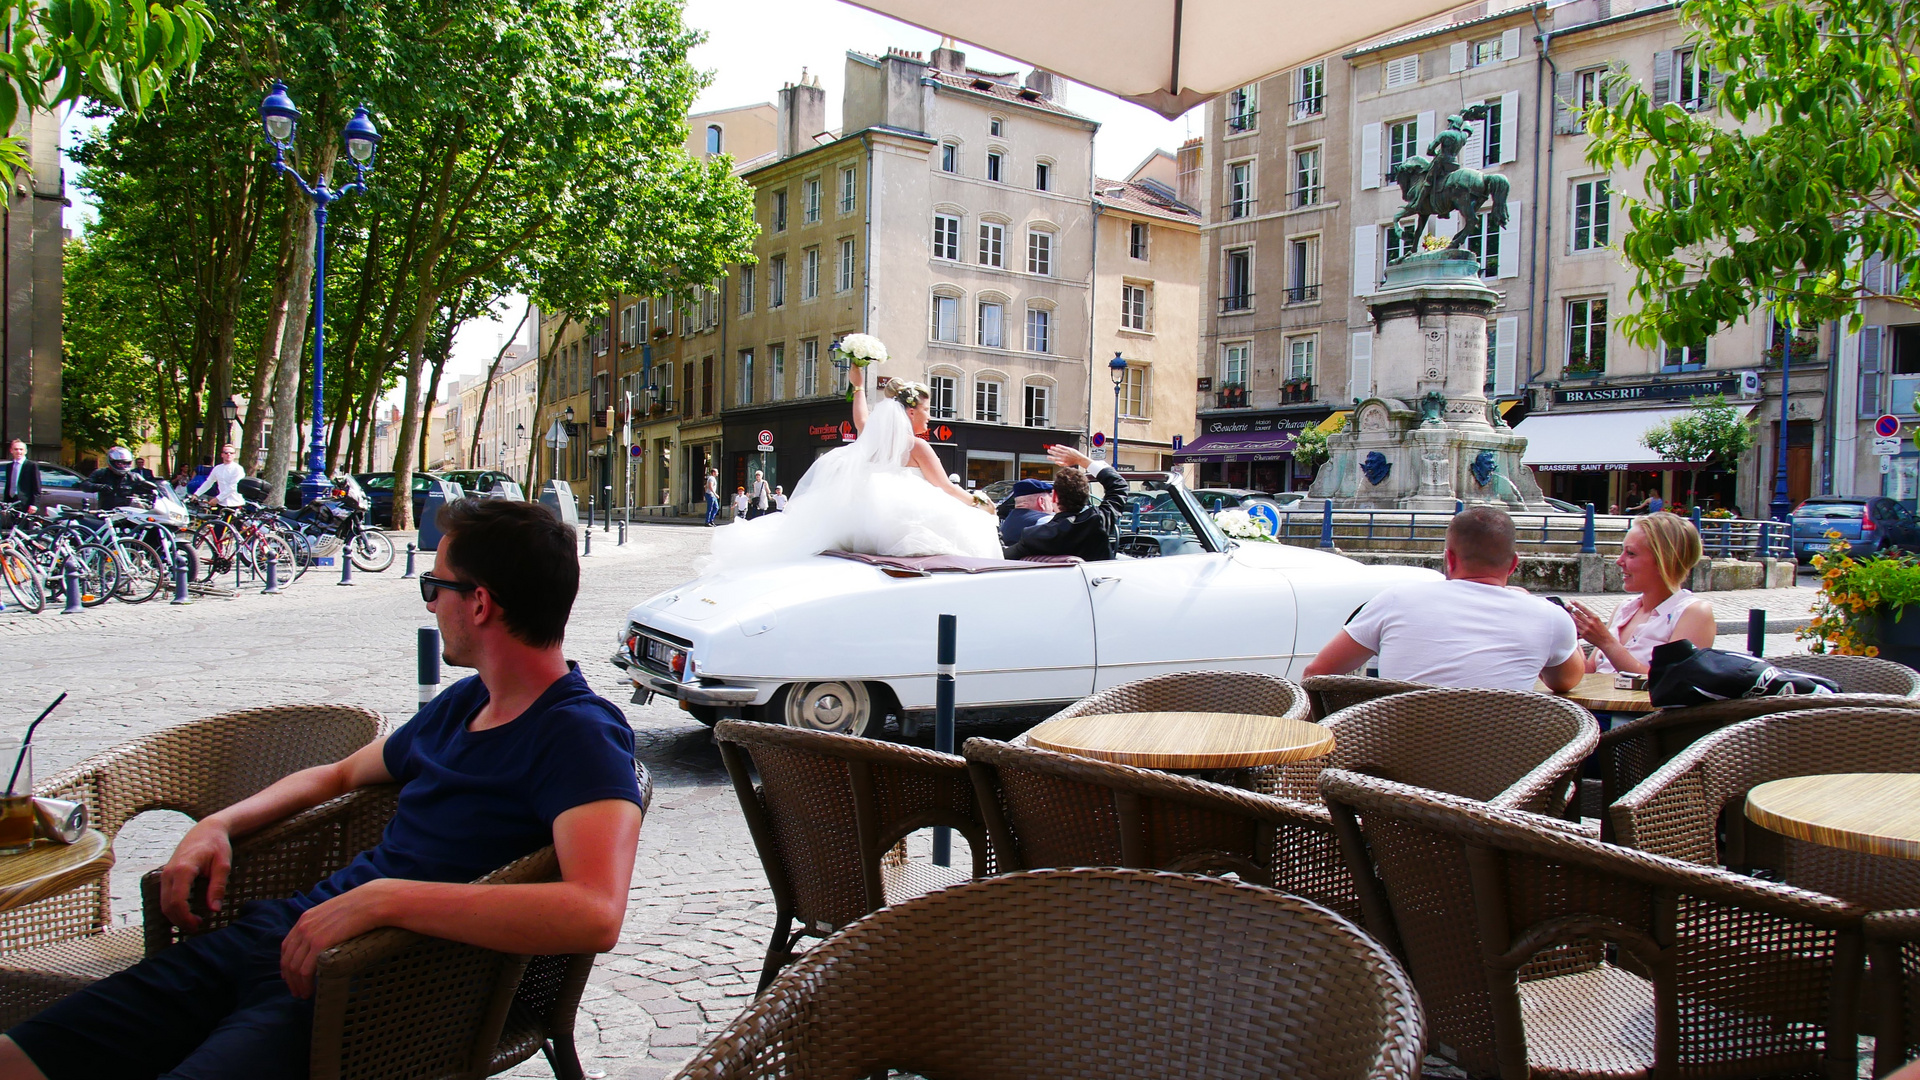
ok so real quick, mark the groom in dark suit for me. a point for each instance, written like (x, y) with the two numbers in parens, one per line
(1081, 527)
(19, 478)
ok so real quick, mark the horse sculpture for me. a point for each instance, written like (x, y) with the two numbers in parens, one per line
(1463, 189)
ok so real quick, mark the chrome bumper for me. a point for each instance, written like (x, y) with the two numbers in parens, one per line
(692, 693)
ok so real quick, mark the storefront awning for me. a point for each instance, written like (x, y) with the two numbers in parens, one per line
(1335, 422)
(1238, 446)
(1597, 441)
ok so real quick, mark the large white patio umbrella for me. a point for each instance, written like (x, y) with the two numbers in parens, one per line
(1168, 55)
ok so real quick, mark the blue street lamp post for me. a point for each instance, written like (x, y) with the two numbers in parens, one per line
(1781, 508)
(1116, 367)
(279, 117)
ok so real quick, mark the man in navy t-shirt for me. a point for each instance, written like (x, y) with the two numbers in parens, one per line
(521, 755)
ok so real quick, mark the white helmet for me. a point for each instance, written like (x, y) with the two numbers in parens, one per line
(120, 455)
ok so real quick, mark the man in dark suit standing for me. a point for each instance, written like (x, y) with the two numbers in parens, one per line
(1080, 527)
(19, 478)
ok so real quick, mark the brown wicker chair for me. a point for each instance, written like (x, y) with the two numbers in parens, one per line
(1328, 694)
(1694, 806)
(1247, 692)
(1893, 948)
(1855, 674)
(1045, 809)
(1498, 915)
(1631, 752)
(391, 1002)
(60, 944)
(828, 818)
(1084, 973)
(1508, 747)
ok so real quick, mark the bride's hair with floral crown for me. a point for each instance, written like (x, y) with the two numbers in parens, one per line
(908, 394)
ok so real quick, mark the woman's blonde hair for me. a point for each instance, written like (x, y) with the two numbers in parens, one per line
(1674, 544)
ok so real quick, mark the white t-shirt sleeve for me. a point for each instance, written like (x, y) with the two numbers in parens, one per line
(1368, 625)
(1565, 641)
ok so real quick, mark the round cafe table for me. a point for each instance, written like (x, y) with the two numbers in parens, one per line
(49, 869)
(1869, 813)
(1184, 740)
(1596, 693)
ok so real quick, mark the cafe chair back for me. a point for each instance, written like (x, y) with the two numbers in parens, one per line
(828, 817)
(1084, 973)
(61, 944)
(1855, 674)
(1541, 952)
(391, 1002)
(1893, 954)
(1046, 809)
(1328, 694)
(1507, 747)
(1247, 692)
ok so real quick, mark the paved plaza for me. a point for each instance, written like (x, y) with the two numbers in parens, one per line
(700, 911)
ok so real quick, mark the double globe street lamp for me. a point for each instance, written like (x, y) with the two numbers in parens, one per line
(280, 119)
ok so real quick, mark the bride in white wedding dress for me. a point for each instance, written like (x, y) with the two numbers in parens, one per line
(883, 494)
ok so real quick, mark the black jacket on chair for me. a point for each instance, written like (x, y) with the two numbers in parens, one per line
(1088, 533)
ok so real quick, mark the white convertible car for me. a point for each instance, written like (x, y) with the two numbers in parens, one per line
(841, 642)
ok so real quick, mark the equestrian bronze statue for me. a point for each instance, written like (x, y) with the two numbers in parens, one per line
(1437, 185)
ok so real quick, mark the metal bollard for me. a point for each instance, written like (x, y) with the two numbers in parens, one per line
(70, 580)
(273, 579)
(606, 502)
(623, 534)
(180, 578)
(1326, 524)
(346, 567)
(1696, 517)
(1586, 533)
(586, 536)
(944, 664)
(427, 662)
(1766, 540)
(239, 566)
(410, 574)
(1757, 631)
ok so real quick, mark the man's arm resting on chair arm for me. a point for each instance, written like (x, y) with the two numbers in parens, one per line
(207, 849)
(1338, 657)
(581, 913)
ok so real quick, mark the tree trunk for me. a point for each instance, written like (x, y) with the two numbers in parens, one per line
(284, 455)
(410, 419)
(266, 366)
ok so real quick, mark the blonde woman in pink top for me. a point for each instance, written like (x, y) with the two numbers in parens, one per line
(1655, 559)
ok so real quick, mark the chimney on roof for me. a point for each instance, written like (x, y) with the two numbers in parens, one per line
(949, 59)
(1041, 82)
(803, 114)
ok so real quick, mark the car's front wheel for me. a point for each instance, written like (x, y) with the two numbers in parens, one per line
(843, 707)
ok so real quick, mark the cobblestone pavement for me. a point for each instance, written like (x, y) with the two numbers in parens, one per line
(699, 913)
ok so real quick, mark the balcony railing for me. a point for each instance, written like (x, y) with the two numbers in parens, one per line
(1239, 208)
(1244, 120)
(1231, 397)
(1296, 391)
(1311, 106)
(1236, 302)
(1306, 196)
(1303, 294)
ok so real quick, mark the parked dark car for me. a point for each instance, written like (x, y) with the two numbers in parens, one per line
(477, 481)
(60, 486)
(1218, 499)
(379, 489)
(1873, 524)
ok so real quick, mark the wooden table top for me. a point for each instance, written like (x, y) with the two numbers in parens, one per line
(1871, 813)
(50, 869)
(1184, 740)
(1596, 692)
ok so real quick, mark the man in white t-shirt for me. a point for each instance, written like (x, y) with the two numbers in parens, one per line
(226, 476)
(1470, 630)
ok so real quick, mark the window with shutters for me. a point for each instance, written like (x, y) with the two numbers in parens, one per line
(810, 274)
(1493, 132)
(849, 189)
(1133, 306)
(1040, 252)
(986, 400)
(777, 371)
(941, 399)
(1039, 330)
(1240, 189)
(777, 281)
(1137, 240)
(993, 165)
(1307, 187)
(990, 325)
(1310, 90)
(1683, 357)
(1591, 210)
(1485, 51)
(946, 319)
(1234, 361)
(810, 367)
(1303, 270)
(1586, 338)
(1590, 87)
(1402, 71)
(1238, 280)
(1403, 142)
(1243, 109)
(1484, 242)
(1039, 405)
(1690, 80)
(993, 244)
(811, 201)
(946, 236)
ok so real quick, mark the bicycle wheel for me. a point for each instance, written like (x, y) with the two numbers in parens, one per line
(23, 579)
(100, 574)
(271, 547)
(371, 551)
(214, 545)
(143, 572)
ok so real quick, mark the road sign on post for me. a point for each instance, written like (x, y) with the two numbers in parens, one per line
(1178, 442)
(1099, 438)
(1886, 446)
(1887, 427)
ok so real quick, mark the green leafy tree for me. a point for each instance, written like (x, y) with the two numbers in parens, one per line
(1817, 173)
(109, 381)
(1710, 431)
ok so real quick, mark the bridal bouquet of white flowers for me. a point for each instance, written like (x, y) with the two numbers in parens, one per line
(1241, 525)
(860, 350)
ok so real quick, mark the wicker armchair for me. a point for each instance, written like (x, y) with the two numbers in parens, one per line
(391, 1002)
(1507, 747)
(1247, 692)
(1328, 694)
(1498, 915)
(1045, 809)
(1694, 806)
(1083, 973)
(1893, 949)
(1631, 752)
(1855, 674)
(828, 818)
(66, 942)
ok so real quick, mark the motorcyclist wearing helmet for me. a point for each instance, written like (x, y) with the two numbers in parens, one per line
(117, 484)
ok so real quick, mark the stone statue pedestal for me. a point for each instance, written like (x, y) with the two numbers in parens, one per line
(1425, 437)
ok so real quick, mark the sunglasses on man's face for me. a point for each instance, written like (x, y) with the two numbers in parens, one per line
(430, 586)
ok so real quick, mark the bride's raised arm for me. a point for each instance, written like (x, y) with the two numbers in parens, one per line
(859, 403)
(928, 463)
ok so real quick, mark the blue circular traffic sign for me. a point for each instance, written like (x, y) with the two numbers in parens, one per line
(1264, 512)
(1887, 426)
(1099, 438)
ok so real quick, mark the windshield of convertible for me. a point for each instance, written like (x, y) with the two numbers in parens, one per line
(1163, 519)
